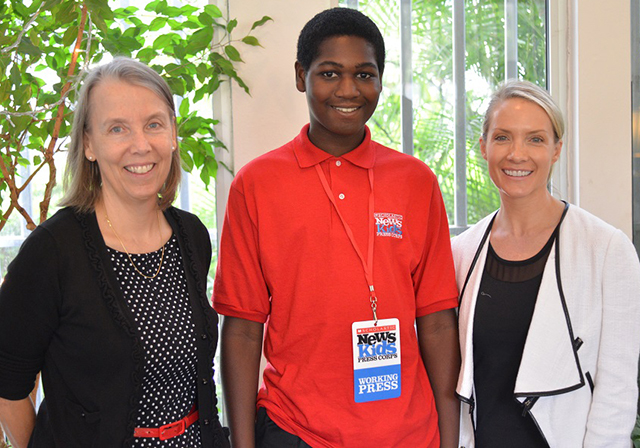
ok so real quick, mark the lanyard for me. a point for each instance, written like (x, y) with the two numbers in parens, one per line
(367, 265)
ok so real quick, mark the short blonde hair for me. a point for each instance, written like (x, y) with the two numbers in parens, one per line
(83, 182)
(526, 90)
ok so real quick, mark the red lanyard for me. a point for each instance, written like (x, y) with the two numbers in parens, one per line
(367, 265)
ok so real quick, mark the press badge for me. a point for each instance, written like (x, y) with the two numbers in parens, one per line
(376, 360)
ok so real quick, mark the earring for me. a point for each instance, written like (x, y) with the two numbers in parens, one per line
(90, 159)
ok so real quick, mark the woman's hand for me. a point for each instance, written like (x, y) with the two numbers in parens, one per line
(18, 419)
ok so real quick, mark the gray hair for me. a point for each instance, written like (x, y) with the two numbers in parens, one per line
(527, 91)
(82, 178)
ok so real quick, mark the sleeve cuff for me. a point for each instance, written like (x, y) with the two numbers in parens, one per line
(228, 310)
(437, 306)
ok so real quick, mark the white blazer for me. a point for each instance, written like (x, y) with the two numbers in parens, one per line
(578, 374)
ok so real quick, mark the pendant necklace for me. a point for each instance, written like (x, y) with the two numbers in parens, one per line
(150, 277)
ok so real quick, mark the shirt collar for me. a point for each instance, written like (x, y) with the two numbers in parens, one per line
(308, 154)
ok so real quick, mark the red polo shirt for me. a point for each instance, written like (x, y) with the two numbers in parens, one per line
(285, 259)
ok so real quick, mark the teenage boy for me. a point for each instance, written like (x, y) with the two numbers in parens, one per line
(341, 246)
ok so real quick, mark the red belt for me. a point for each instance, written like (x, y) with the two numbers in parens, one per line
(170, 430)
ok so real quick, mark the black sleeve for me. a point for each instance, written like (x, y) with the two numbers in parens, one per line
(197, 237)
(204, 248)
(30, 298)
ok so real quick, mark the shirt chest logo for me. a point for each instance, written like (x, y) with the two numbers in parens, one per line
(388, 224)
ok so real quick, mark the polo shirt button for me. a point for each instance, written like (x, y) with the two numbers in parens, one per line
(206, 421)
(338, 163)
(341, 195)
(203, 336)
(205, 381)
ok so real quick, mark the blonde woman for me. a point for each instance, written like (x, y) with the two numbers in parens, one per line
(550, 299)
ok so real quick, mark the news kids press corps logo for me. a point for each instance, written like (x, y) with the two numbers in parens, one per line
(376, 360)
(388, 224)
(379, 345)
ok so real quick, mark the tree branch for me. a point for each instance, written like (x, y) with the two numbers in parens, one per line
(63, 97)
(30, 178)
(24, 30)
(48, 155)
(5, 216)
(9, 178)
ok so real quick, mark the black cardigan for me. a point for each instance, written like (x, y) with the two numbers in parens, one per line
(62, 312)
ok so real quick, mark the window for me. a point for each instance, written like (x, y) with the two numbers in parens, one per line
(444, 58)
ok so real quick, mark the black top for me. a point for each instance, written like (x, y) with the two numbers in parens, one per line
(63, 312)
(164, 319)
(504, 309)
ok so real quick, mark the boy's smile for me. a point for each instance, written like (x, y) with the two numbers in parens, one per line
(342, 86)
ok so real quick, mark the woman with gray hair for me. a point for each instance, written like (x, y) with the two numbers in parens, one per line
(107, 298)
(549, 299)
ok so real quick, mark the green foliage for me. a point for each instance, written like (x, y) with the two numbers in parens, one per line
(46, 46)
(433, 83)
(635, 435)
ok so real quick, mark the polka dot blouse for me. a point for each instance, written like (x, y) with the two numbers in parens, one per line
(163, 316)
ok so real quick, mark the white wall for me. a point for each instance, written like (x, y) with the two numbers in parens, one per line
(604, 110)
(591, 80)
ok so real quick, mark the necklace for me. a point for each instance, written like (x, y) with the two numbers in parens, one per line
(129, 256)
